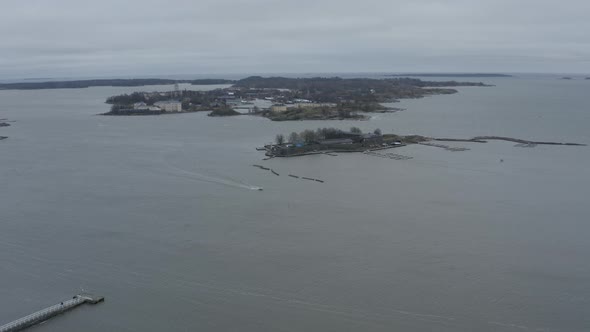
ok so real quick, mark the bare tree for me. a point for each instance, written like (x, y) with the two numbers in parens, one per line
(280, 139)
(308, 136)
(356, 130)
(294, 137)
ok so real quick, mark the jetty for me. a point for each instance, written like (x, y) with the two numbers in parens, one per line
(527, 143)
(443, 146)
(50, 312)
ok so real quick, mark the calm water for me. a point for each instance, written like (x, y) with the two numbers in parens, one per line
(156, 214)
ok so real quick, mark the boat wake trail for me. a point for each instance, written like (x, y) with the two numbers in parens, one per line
(217, 179)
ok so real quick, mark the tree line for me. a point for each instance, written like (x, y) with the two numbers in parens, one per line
(309, 136)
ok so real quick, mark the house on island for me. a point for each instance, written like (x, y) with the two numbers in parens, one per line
(169, 106)
(143, 107)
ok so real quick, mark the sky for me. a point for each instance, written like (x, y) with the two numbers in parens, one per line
(138, 38)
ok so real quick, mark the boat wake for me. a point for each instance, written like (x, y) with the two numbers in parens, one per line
(217, 179)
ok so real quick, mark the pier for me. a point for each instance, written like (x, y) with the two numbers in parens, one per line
(50, 312)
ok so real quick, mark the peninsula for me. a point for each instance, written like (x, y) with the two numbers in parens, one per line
(290, 98)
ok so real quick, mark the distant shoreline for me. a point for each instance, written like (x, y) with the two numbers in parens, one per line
(133, 82)
(449, 75)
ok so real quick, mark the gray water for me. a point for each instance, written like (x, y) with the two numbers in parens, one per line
(157, 215)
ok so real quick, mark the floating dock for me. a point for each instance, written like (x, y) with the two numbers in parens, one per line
(50, 312)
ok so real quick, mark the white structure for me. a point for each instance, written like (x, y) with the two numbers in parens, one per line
(144, 107)
(140, 105)
(169, 106)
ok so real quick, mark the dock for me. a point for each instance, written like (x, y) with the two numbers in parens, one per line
(50, 312)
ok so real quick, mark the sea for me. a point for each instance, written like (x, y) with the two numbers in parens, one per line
(161, 216)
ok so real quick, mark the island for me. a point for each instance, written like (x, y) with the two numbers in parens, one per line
(107, 82)
(327, 140)
(290, 99)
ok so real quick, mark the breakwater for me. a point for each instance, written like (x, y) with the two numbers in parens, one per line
(388, 155)
(290, 175)
(50, 312)
(443, 146)
(484, 139)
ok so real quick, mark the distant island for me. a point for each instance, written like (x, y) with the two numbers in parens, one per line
(106, 82)
(292, 98)
(449, 75)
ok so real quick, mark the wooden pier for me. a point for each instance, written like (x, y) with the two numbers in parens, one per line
(50, 312)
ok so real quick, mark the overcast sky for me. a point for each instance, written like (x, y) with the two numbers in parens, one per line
(76, 38)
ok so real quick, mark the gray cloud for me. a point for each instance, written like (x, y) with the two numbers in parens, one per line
(156, 37)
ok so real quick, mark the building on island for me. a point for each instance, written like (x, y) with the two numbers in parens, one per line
(140, 105)
(278, 108)
(143, 107)
(169, 106)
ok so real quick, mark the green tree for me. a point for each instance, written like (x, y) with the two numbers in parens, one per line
(377, 132)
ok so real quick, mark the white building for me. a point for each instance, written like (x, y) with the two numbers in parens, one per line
(140, 105)
(278, 108)
(169, 106)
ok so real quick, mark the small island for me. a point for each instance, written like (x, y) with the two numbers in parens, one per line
(326, 140)
(291, 99)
